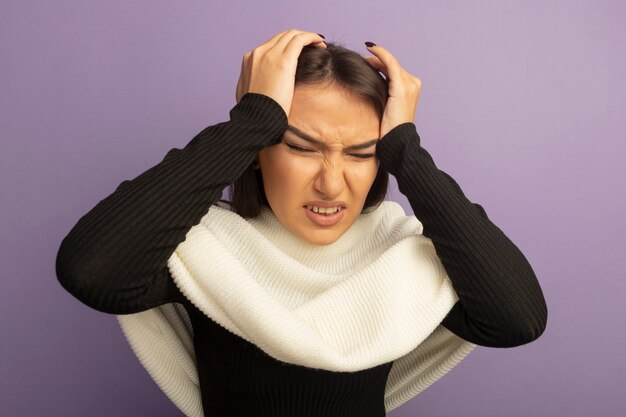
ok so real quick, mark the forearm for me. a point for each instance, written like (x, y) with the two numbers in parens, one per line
(500, 301)
(115, 258)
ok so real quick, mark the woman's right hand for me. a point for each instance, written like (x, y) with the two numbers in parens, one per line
(270, 68)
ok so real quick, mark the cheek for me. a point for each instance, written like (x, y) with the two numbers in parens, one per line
(288, 169)
(284, 175)
(363, 174)
(273, 164)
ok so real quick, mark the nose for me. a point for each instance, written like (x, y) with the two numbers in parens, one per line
(330, 179)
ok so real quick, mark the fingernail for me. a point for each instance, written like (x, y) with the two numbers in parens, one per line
(322, 36)
(370, 44)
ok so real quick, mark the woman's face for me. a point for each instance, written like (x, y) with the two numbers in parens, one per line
(300, 175)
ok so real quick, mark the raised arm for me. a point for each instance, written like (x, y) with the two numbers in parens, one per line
(115, 258)
(500, 301)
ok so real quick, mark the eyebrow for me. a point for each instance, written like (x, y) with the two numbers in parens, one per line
(311, 139)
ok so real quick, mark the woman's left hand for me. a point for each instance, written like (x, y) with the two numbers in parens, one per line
(404, 89)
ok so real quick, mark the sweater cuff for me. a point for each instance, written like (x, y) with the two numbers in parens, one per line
(263, 112)
(261, 108)
(390, 148)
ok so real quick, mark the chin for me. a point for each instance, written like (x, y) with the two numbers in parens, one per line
(321, 243)
(325, 239)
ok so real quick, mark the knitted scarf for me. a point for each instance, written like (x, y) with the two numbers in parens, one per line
(377, 294)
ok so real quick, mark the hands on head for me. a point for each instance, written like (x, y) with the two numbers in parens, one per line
(270, 69)
(404, 89)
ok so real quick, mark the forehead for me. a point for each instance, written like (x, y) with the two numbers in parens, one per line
(333, 115)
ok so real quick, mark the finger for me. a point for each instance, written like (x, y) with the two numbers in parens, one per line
(293, 44)
(391, 63)
(285, 38)
(273, 40)
(320, 45)
(298, 42)
(377, 64)
(245, 71)
(242, 83)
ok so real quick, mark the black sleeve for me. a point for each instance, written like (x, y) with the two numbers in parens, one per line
(115, 258)
(500, 301)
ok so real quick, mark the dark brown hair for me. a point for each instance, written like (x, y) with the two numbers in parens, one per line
(336, 65)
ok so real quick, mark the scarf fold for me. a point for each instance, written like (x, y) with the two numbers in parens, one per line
(377, 294)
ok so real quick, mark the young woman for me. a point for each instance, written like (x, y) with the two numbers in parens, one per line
(306, 293)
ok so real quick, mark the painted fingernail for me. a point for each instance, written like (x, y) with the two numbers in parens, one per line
(370, 44)
(322, 36)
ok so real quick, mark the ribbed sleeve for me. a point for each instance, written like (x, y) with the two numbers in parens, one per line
(115, 258)
(500, 301)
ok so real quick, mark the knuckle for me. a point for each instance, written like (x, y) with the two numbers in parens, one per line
(271, 53)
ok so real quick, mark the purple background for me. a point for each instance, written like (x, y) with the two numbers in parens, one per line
(522, 103)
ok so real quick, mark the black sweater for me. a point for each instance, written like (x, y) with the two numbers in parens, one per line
(115, 261)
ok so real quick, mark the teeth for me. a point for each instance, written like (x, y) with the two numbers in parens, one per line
(324, 210)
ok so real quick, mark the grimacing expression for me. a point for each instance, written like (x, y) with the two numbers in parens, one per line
(325, 168)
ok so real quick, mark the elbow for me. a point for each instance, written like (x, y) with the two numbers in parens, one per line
(506, 335)
(100, 282)
(82, 277)
(524, 315)
(525, 334)
(71, 273)
(67, 269)
(534, 319)
(537, 326)
(526, 328)
(502, 329)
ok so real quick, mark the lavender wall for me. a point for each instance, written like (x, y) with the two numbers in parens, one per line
(522, 103)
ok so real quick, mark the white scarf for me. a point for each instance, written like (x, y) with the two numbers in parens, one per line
(377, 294)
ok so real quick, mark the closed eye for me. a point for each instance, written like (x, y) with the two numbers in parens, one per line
(357, 155)
(298, 148)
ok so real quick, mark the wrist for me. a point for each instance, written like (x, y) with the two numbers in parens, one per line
(392, 148)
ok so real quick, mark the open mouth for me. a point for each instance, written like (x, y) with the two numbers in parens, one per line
(324, 219)
(325, 212)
